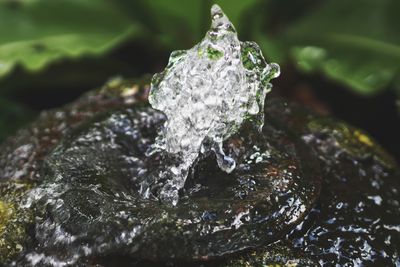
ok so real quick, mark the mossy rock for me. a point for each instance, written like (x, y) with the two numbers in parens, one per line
(274, 255)
(15, 220)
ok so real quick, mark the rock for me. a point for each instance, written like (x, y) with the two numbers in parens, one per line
(14, 220)
(320, 188)
(275, 255)
(91, 184)
(357, 217)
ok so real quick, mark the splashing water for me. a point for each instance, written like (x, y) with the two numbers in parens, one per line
(207, 92)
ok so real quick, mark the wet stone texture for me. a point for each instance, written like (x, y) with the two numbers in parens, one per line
(13, 220)
(307, 191)
(356, 221)
(92, 206)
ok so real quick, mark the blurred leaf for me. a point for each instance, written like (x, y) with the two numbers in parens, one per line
(180, 24)
(236, 10)
(364, 74)
(353, 42)
(12, 116)
(273, 50)
(36, 33)
(69, 76)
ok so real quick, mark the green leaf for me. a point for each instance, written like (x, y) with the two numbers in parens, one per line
(365, 75)
(354, 42)
(272, 48)
(34, 34)
(236, 10)
(181, 24)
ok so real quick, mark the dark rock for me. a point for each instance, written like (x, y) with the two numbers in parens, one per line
(272, 255)
(357, 217)
(323, 189)
(91, 184)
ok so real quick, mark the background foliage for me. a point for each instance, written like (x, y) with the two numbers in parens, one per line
(69, 44)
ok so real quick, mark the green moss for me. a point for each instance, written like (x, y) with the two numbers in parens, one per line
(275, 255)
(6, 212)
(14, 219)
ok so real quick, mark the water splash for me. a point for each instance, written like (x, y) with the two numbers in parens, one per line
(207, 92)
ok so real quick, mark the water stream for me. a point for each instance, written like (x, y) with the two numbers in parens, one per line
(206, 92)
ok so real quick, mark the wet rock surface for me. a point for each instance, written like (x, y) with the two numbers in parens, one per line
(357, 217)
(272, 255)
(13, 220)
(92, 207)
(309, 189)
